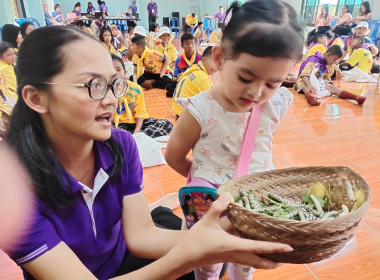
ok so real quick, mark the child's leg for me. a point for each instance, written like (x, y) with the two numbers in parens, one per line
(156, 127)
(310, 97)
(162, 82)
(146, 80)
(240, 272)
(210, 272)
(344, 94)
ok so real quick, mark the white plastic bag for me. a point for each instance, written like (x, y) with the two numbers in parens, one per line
(149, 150)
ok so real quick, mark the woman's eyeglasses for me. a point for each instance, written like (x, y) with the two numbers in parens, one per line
(98, 87)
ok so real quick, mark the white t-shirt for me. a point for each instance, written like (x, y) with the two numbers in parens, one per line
(216, 152)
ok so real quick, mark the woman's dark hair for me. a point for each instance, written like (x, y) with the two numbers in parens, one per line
(77, 4)
(9, 34)
(23, 28)
(263, 28)
(41, 56)
(326, 6)
(88, 5)
(56, 6)
(347, 7)
(4, 46)
(365, 4)
(115, 57)
(102, 30)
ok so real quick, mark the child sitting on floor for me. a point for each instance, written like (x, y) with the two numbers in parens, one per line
(165, 47)
(157, 74)
(131, 114)
(333, 39)
(189, 57)
(196, 79)
(105, 37)
(360, 57)
(7, 59)
(319, 44)
(200, 34)
(314, 78)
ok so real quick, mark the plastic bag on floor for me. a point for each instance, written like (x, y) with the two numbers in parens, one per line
(149, 150)
(358, 75)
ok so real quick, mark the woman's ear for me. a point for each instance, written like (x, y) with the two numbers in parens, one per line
(217, 55)
(35, 99)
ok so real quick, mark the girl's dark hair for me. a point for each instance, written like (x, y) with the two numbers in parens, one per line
(77, 4)
(9, 34)
(153, 27)
(326, 6)
(41, 56)
(317, 36)
(347, 7)
(4, 46)
(102, 30)
(88, 4)
(330, 34)
(115, 57)
(365, 4)
(263, 28)
(23, 28)
(56, 6)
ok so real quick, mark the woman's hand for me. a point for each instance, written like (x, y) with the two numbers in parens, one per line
(206, 243)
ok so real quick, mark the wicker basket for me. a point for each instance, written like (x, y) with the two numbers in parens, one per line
(311, 241)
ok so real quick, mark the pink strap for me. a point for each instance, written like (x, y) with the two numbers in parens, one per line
(245, 155)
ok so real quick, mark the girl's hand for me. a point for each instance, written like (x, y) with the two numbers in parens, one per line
(206, 243)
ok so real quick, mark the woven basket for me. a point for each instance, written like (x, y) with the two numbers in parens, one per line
(311, 241)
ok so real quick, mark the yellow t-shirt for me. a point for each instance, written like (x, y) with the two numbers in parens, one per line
(111, 49)
(9, 74)
(338, 42)
(361, 58)
(313, 50)
(7, 97)
(191, 20)
(131, 105)
(153, 61)
(193, 81)
(170, 51)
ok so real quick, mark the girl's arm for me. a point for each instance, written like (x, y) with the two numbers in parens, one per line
(135, 74)
(183, 138)
(317, 22)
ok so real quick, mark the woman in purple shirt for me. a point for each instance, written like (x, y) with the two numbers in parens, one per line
(91, 213)
(152, 10)
(221, 16)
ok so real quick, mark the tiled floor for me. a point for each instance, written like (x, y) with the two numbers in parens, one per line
(336, 133)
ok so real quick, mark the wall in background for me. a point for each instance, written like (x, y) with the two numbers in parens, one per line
(5, 13)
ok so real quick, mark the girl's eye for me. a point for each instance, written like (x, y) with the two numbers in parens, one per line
(243, 80)
(270, 86)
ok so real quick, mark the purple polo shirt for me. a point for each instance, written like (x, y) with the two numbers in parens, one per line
(96, 239)
(152, 8)
(221, 17)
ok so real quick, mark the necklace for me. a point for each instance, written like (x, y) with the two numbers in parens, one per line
(88, 172)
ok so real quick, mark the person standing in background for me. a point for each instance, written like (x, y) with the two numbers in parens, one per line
(133, 6)
(221, 16)
(152, 12)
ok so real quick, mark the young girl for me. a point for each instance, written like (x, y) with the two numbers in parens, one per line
(251, 70)
(25, 28)
(131, 114)
(152, 36)
(90, 213)
(106, 37)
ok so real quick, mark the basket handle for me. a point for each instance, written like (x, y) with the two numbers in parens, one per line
(248, 143)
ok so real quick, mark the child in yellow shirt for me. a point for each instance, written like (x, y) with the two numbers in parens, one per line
(196, 79)
(105, 37)
(156, 73)
(131, 114)
(315, 77)
(165, 47)
(319, 44)
(7, 59)
(360, 56)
